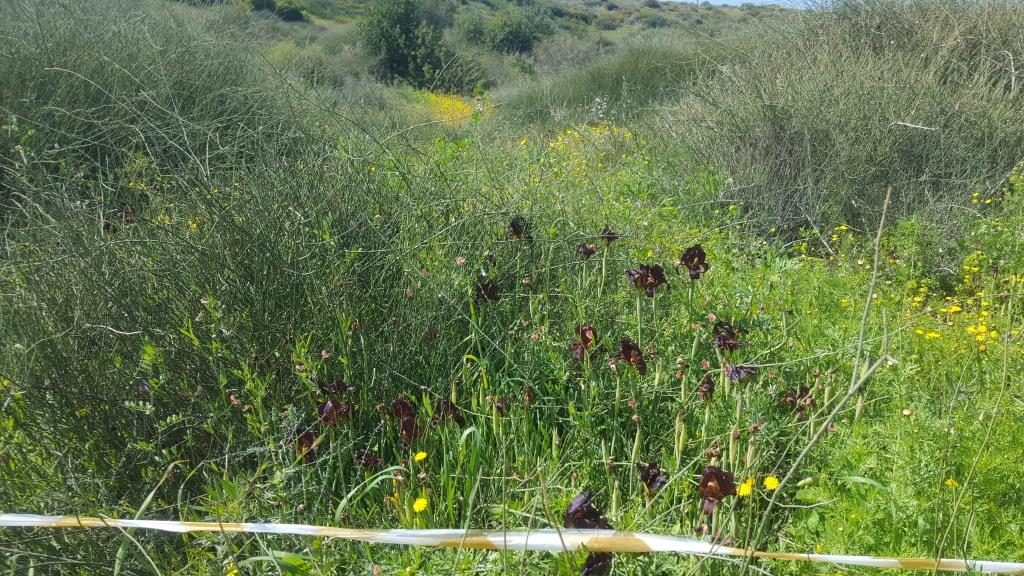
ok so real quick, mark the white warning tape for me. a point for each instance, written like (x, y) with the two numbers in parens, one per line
(521, 540)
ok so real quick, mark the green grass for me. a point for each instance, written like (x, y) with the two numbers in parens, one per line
(340, 234)
(816, 117)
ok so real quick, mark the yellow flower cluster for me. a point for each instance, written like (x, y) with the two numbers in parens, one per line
(952, 308)
(920, 298)
(598, 133)
(971, 267)
(838, 231)
(983, 335)
(452, 111)
(770, 483)
(579, 151)
(977, 199)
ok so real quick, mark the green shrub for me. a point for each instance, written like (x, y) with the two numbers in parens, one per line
(652, 69)
(515, 30)
(391, 33)
(471, 27)
(821, 115)
(405, 47)
(439, 14)
(89, 89)
(289, 11)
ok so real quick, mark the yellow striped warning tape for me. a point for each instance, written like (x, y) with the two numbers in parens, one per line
(522, 540)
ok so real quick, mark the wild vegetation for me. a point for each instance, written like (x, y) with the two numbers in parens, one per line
(431, 264)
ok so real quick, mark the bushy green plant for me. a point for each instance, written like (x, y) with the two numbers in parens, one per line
(821, 115)
(627, 81)
(515, 30)
(406, 47)
(391, 32)
(152, 75)
(289, 11)
(471, 26)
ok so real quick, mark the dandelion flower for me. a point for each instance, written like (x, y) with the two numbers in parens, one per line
(771, 483)
(232, 570)
(419, 505)
(420, 456)
(951, 483)
(745, 489)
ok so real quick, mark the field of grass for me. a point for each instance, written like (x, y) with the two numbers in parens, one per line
(242, 280)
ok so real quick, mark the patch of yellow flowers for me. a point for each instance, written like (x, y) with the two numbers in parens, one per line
(770, 483)
(454, 111)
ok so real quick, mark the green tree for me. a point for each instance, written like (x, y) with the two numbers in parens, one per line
(405, 47)
(289, 11)
(515, 30)
(390, 33)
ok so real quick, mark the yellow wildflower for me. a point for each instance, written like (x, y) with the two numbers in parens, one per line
(746, 488)
(420, 456)
(771, 483)
(951, 483)
(932, 336)
(232, 570)
(419, 505)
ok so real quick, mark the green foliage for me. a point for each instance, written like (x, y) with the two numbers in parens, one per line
(471, 26)
(622, 85)
(515, 30)
(286, 10)
(289, 11)
(153, 76)
(197, 245)
(392, 33)
(818, 118)
(405, 47)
